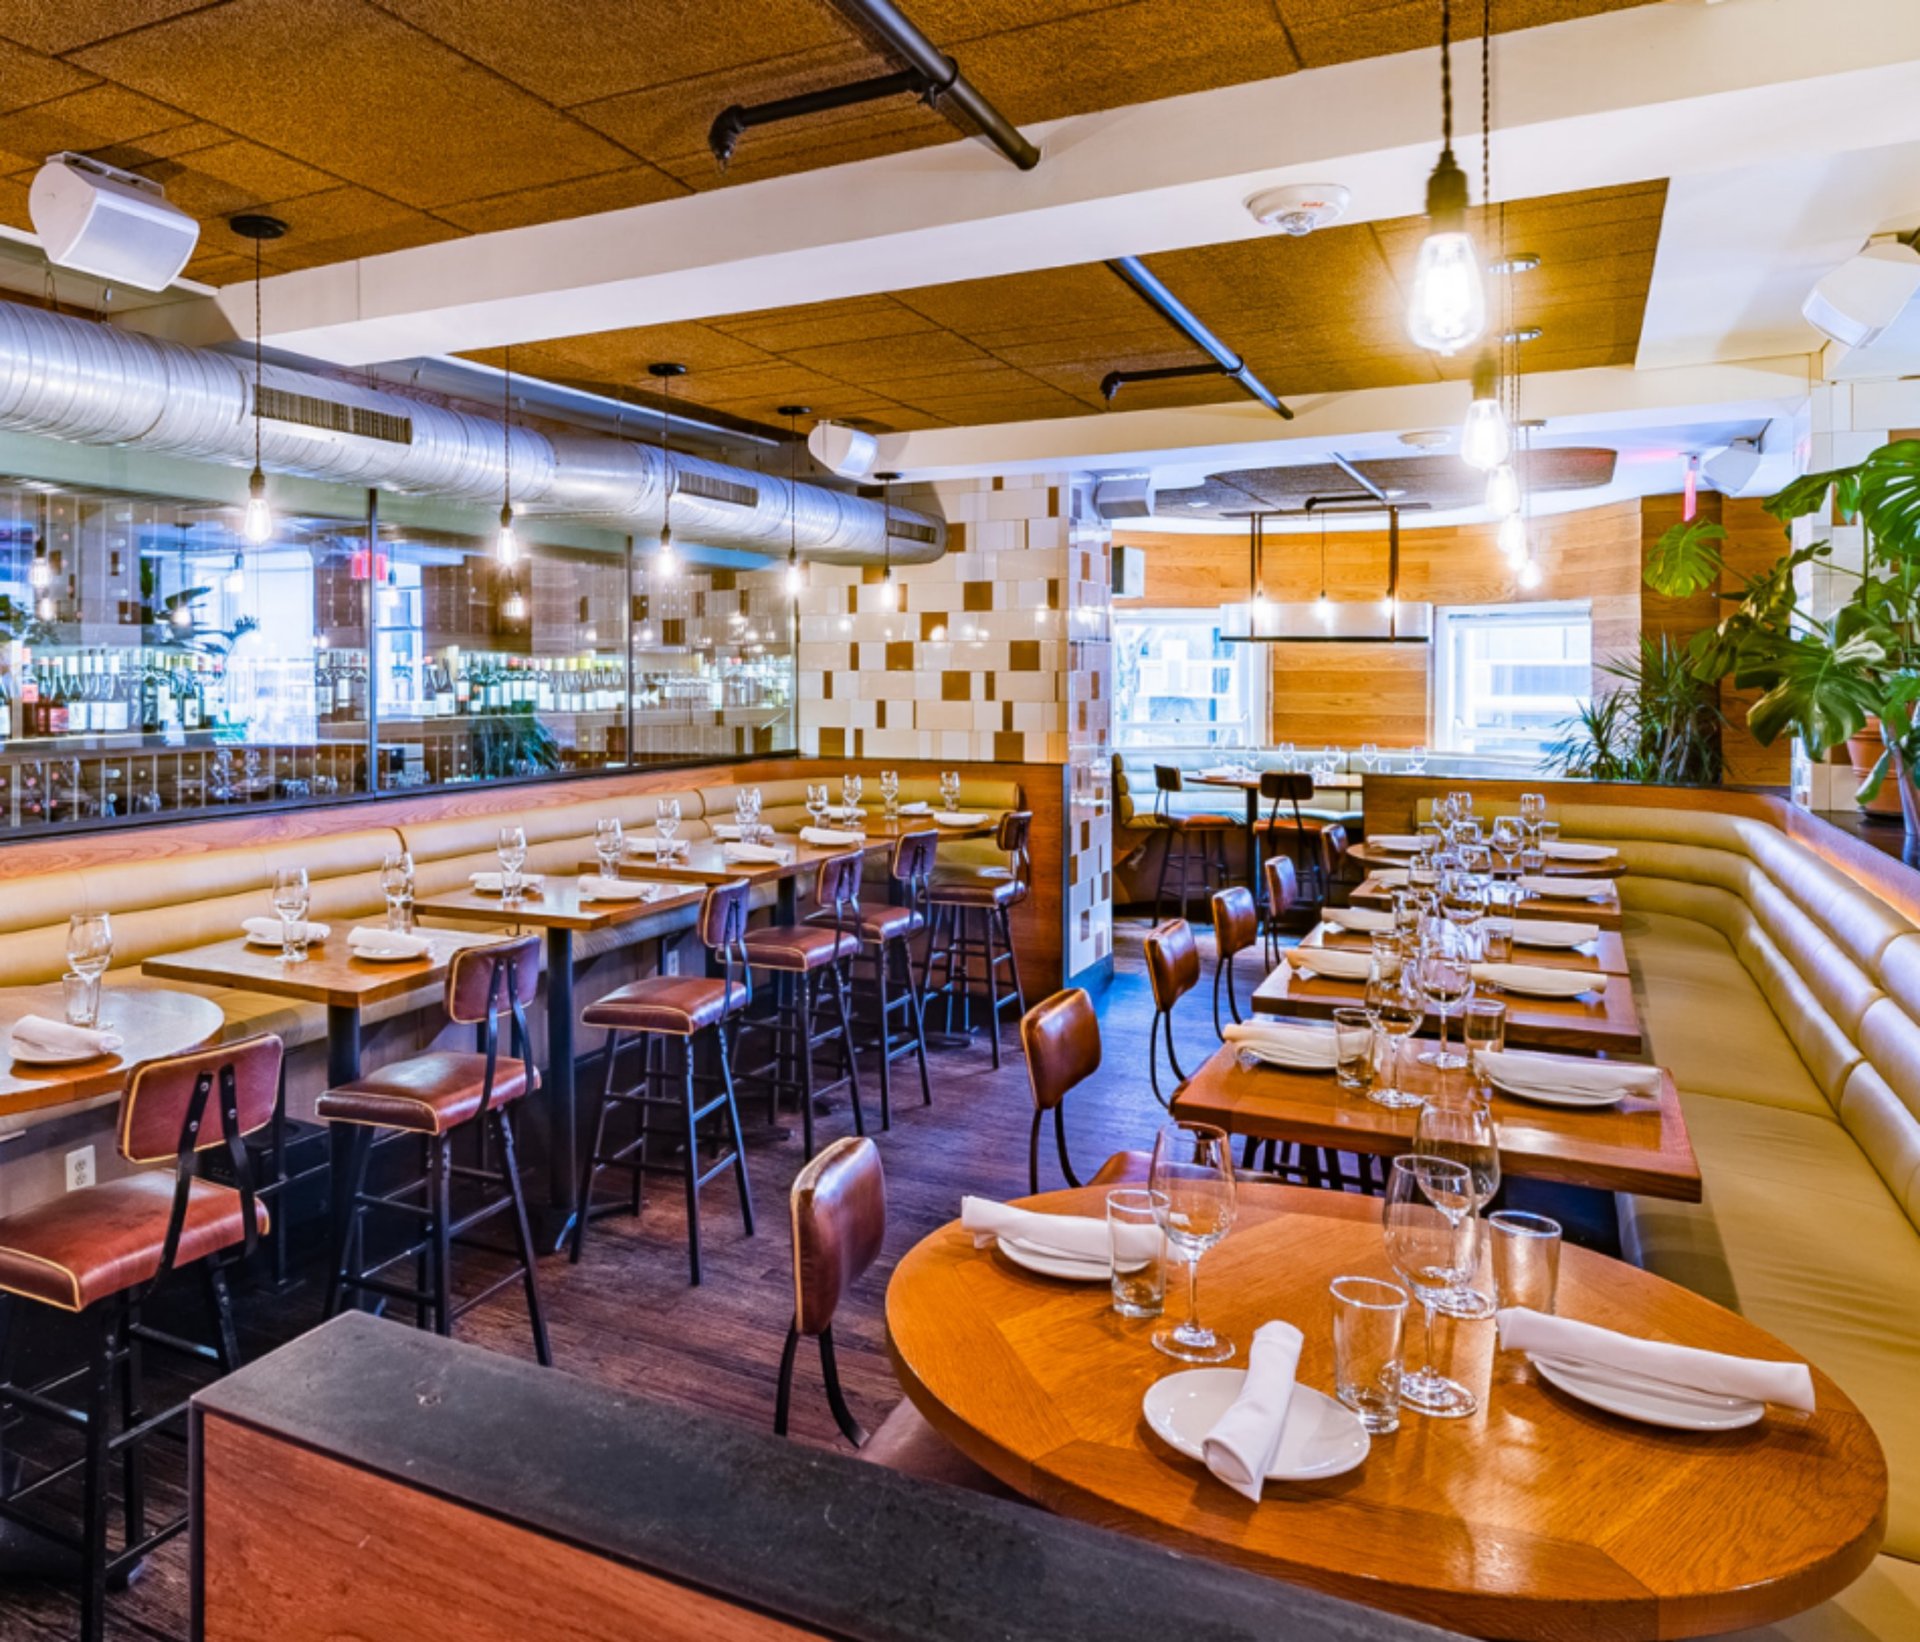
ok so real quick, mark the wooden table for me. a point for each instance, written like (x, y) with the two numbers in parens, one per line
(1536, 1519)
(154, 1023)
(1372, 855)
(1606, 954)
(1606, 1023)
(1607, 914)
(559, 910)
(1640, 1146)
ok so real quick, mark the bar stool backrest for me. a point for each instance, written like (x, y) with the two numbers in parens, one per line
(1173, 962)
(839, 1204)
(1061, 1036)
(482, 981)
(1011, 837)
(1236, 922)
(1283, 885)
(723, 932)
(1166, 779)
(838, 884)
(1284, 787)
(914, 854)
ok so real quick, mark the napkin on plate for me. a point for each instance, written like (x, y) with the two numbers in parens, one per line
(1224, 772)
(1067, 1236)
(1331, 963)
(918, 807)
(1307, 1048)
(960, 818)
(494, 883)
(595, 888)
(1788, 1384)
(267, 931)
(726, 829)
(1569, 889)
(649, 844)
(1560, 849)
(829, 838)
(1548, 932)
(1538, 981)
(1359, 920)
(1401, 843)
(1239, 1450)
(1388, 878)
(388, 941)
(1515, 1071)
(36, 1035)
(754, 854)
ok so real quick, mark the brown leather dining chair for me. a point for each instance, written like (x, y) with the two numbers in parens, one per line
(1236, 926)
(1061, 1036)
(1173, 970)
(968, 908)
(1195, 844)
(1283, 889)
(1284, 827)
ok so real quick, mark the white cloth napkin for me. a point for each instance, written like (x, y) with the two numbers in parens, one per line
(1537, 981)
(1388, 878)
(388, 940)
(1548, 932)
(595, 888)
(828, 838)
(493, 883)
(726, 829)
(1518, 1072)
(1569, 889)
(960, 818)
(1560, 849)
(649, 844)
(36, 1035)
(1225, 772)
(1334, 963)
(1360, 920)
(1788, 1384)
(267, 931)
(753, 854)
(845, 812)
(1239, 1450)
(1070, 1236)
(1308, 1048)
(918, 807)
(1401, 843)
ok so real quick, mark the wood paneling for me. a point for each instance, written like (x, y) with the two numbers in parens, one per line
(1676, 620)
(1754, 541)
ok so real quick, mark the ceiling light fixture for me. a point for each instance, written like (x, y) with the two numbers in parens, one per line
(1512, 537)
(1449, 307)
(1503, 491)
(506, 545)
(515, 607)
(1526, 333)
(1323, 606)
(796, 574)
(236, 581)
(40, 572)
(889, 592)
(1258, 610)
(1529, 574)
(663, 561)
(257, 522)
(1485, 439)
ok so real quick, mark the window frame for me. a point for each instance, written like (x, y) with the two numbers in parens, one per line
(1444, 692)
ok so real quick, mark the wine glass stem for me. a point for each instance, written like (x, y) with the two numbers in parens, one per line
(1193, 1297)
(1443, 1037)
(1429, 1302)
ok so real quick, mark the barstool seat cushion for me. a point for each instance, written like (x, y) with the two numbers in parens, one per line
(799, 948)
(1283, 822)
(1200, 823)
(428, 1094)
(874, 925)
(976, 892)
(83, 1247)
(676, 1004)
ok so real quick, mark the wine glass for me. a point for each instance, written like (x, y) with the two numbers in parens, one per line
(1445, 972)
(1462, 805)
(1417, 761)
(1430, 1231)
(666, 822)
(755, 801)
(1289, 757)
(1192, 1173)
(512, 850)
(817, 802)
(1396, 1006)
(1369, 754)
(609, 843)
(396, 883)
(1509, 833)
(950, 790)
(1463, 894)
(290, 901)
(1533, 808)
(890, 793)
(1463, 1131)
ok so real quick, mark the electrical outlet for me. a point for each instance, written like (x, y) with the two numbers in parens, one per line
(79, 1168)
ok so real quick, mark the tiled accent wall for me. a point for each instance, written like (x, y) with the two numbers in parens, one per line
(1089, 701)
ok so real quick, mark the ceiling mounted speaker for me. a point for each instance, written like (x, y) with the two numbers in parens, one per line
(112, 224)
(1733, 469)
(844, 450)
(1865, 294)
(1124, 496)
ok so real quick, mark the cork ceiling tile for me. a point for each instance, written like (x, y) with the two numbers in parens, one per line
(232, 176)
(61, 25)
(344, 222)
(100, 121)
(28, 77)
(888, 355)
(701, 348)
(819, 324)
(1341, 31)
(611, 191)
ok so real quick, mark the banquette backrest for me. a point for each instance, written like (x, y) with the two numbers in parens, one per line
(783, 806)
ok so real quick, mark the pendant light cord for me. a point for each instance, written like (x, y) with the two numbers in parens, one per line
(1323, 556)
(793, 486)
(506, 430)
(1446, 75)
(666, 467)
(1486, 103)
(257, 327)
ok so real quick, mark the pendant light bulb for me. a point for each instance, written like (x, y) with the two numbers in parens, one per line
(1503, 491)
(889, 591)
(45, 608)
(180, 615)
(1486, 440)
(257, 523)
(663, 561)
(40, 572)
(796, 578)
(515, 608)
(1512, 537)
(1448, 310)
(1529, 573)
(1386, 607)
(506, 545)
(1323, 609)
(236, 582)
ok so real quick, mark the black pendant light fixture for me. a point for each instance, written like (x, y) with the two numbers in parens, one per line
(796, 572)
(506, 545)
(664, 373)
(889, 590)
(257, 523)
(1258, 609)
(1448, 310)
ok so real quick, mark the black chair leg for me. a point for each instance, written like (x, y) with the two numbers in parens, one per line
(133, 1480)
(590, 1164)
(846, 1047)
(802, 1025)
(993, 985)
(1013, 960)
(1060, 1142)
(345, 1257)
(220, 1304)
(917, 1009)
(1033, 1155)
(440, 1206)
(836, 1399)
(95, 1501)
(693, 1164)
(523, 1237)
(880, 965)
(783, 1394)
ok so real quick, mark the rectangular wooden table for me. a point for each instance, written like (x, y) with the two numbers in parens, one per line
(1606, 913)
(1372, 855)
(1640, 1146)
(1607, 1023)
(1605, 954)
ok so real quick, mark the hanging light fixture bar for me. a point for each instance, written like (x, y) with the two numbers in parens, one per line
(1407, 622)
(1448, 310)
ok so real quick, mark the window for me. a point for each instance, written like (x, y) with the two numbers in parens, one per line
(1505, 676)
(1178, 683)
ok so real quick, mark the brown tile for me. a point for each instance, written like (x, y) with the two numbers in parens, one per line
(933, 625)
(1009, 747)
(1023, 656)
(833, 742)
(956, 686)
(900, 656)
(976, 595)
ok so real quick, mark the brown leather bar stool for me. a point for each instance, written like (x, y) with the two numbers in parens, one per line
(1333, 857)
(1283, 823)
(1061, 1036)
(658, 1010)
(808, 958)
(102, 1251)
(1283, 889)
(1236, 926)
(435, 1097)
(1202, 841)
(960, 896)
(1173, 970)
(886, 935)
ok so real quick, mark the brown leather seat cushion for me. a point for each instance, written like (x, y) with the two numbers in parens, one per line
(905, 1442)
(90, 1244)
(977, 892)
(1124, 1169)
(1200, 823)
(676, 1004)
(799, 949)
(427, 1095)
(875, 925)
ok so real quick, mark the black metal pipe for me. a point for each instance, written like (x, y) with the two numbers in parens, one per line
(734, 122)
(1136, 273)
(1114, 381)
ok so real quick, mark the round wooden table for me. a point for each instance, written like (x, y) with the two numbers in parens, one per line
(153, 1021)
(1537, 1518)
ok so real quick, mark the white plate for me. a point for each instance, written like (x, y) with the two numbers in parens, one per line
(1581, 852)
(1559, 985)
(1632, 1397)
(1544, 932)
(1321, 1438)
(22, 1057)
(1560, 1097)
(1049, 1264)
(386, 955)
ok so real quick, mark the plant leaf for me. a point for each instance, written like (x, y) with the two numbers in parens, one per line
(1822, 690)
(1685, 560)
(1889, 494)
(1809, 492)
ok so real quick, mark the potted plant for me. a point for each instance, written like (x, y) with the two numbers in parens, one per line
(1660, 724)
(1824, 680)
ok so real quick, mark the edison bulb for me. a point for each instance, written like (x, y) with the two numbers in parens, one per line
(40, 572)
(236, 580)
(889, 594)
(663, 561)
(1449, 307)
(1259, 612)
(1503, 491)
(1512, 537)
(1529, 572)
(796, 578)
(1485, 439)
(1323, 609)
(506, 545)
(1386, 607)
(257, 523)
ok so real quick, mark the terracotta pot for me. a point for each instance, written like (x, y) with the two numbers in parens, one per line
(1863, 752)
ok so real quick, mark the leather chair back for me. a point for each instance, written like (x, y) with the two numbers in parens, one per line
(1166, 779)
(1061, 1036)
(1015, 828)
(1236, 921)
(1290, 785)
(837, 885)
(1283, 885)
(1173, 962)
(176, 1105)
(913, 855)
(723, 915)
(474, 993)
(839, 1204)
(1333, 850)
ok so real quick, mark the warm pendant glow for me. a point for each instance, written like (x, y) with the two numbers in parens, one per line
(1485, 439)
(1323, 608)
(1513, 538)
(889, 593)
(1386, 607)
(1449, 307)
(40, 572)
(257, 523)
(236, 582)
(515, 608)
(1259, 613)
(663, 561)
(796, 578)
(45, 609)
(1529, 573)
(1503, 491)
(506, 545)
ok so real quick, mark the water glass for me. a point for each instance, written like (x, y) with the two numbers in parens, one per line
(1353, 1049)
(512, 850)
(1533, 859)
(82, 997)
(290, 901)
(1496, 929)
(396, 883)
(666, 822)
(1547, 832)
(1483, 1030)
(1369, 1335)
(1138, 1251)
(1526, 1259)
(609, 844)
(1427, 1219)
(890, 793)
(1192, 1172)
(1463, 1131)
(89, 944)
(1395, 1005)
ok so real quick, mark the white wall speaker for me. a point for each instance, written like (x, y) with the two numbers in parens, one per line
(844, 450)
(119, 227)
(1865, 294)
(1124, 496)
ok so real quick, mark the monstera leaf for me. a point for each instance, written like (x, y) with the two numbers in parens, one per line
(1820, 686)
(1685, 560)
(1889, 495)
(1807, 493)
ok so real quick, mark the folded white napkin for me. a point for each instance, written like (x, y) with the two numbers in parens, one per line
(267, 931)
(753, 854)
(388, 940)
(595, 888)
(650, 844)
(1360, 920)
(1388, 878)
(1570, 889)
(492, 883)
(1308, 1048)
(960, 818)
(1239, 1450)
(918, 807)
(1549, 932)
(36, 1035)
(1401, 843)
(1788, 1384)
(1332, 962)
(845, 812)
(1516, 1071)
(1069, 1236)
(1559, 849)
(1225, 772)
(828, 838)
(726, 829)
(1537, 981)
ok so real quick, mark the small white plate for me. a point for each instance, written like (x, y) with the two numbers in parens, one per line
(1581, 852)
(1321, 1437)
(1049, 1264)
(1632, 1397)
(1555, 985)
(387, 955)
(27, 1057)
(1561, 1097)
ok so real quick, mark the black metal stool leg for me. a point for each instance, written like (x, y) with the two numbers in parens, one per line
(917, 1011)
(846, 1046)
(693, 1162)
(95, 1501)
(1013, 960)
(739, 1145)
(993, 984)
(440, 1208)
(802, 1022)
(881, 963)
(523, 1237)
(133, 1481)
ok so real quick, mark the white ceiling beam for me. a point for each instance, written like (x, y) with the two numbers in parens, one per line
(1649, 92)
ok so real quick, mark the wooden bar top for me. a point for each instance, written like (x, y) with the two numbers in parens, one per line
(330, 975)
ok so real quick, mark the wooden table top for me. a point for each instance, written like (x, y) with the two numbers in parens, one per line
(1605, 1023)
(329, 976)
(1372, 855)
(154, 1023)
(1606, 954)
(1640, 1146)
(1251, 783)
(703, 860)
(557, 906)
(1537, 1518)
(1373, 893)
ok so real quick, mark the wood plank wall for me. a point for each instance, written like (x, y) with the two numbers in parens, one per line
(1755, 539)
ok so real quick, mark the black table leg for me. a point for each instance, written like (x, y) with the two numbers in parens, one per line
(563, 1166)
(343, 1066)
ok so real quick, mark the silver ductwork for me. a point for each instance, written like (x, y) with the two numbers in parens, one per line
(90, 384)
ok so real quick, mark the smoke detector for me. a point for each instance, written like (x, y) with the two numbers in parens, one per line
(1301, 207)
(1426, 438)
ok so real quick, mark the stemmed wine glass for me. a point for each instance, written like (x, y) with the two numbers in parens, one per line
(1463, 1132)
(1431, 1242)
(609, 844)
(512, 850)
(817, 802)
(1289, 757)
(1417, 761)
(851, 788)
(290, 902)
(1370, 754)
(1445, 971)
(1395, 1005)
(1463, 894)
(1192, 1177)
(89, 952)
(666, 822)
(890, 793)
(396, 883)
(1509, 833)
(1533, 808)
